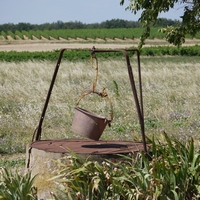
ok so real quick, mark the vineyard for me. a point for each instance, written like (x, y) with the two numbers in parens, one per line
(81, 55)
(103, 35)
(120, 33)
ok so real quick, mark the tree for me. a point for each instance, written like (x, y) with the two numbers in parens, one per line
(189, 21)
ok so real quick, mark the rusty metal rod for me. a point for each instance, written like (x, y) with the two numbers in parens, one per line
(39, 128)
(138, 106)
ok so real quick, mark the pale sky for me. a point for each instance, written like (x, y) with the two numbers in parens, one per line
(85, 11)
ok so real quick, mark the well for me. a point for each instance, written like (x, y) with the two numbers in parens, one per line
(42, 154)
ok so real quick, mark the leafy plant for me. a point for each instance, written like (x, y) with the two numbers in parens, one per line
(77, 55)
(172, 172)
(14, 186)
(89, 179)
(168, 171)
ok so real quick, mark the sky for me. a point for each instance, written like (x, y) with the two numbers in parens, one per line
(85, 11)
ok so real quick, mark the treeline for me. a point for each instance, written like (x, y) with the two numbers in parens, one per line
(114, 23)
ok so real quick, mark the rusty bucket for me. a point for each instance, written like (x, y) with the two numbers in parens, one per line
(88, 124)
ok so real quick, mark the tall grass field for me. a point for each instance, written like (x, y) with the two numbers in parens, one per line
(171, 98)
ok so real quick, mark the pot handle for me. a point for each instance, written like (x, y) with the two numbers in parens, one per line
(102, 94)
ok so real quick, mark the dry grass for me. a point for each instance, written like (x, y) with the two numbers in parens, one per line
(173, 97)
(170, 88)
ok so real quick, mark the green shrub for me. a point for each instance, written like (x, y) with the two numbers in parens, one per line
(77, 55)
(169, 171)
(3, 33)
(11, 34)
(19, 34)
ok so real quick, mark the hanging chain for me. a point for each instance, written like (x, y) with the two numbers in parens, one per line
(95, 66)
(103, 94)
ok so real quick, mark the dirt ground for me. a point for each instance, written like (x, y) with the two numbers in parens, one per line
(50, 45)
(55, 46)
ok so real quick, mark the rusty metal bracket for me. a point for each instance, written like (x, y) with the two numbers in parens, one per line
(138, 102)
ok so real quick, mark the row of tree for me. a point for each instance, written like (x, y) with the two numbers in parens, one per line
(114, 23)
